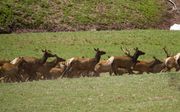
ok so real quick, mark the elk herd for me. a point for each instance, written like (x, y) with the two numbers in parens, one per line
(23, 69)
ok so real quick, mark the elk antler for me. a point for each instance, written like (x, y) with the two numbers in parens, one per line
(126, 52)
(156, 58)
(165, 50)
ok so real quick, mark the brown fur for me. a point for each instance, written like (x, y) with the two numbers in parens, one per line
(103, 67)
(84, 64)
(33, 64)
(11, 72)
(3, 61)
(45, 68)
(126, 62)
(144, 66)
(170, 62)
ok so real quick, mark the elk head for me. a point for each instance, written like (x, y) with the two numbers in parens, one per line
(137, 52)
(98, 52)
(47, 53)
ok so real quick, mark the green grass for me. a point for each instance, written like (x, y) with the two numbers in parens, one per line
(128, 93)
(72, 44)
(53, 15)
(141, 93)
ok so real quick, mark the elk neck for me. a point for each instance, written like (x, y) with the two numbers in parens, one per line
(97, 57)
(43, 59)
(135, 57)
(18, 64)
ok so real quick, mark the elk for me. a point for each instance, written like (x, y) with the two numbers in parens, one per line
(33, 64)
(171, 61)
(177, 58)
(104, 66)
(126, 62)
(46, 67)
(158, 67)
(83, 65)
(144, 66)
(3, 61)
(57, 71)
(11, 72)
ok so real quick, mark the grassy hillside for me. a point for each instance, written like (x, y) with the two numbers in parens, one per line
(65, 15)
(142, 93)
(70, 44)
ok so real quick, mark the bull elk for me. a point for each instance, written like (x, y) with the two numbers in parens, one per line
(83, 65)
(126, 62)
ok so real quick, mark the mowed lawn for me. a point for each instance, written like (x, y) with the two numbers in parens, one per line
(128, 93)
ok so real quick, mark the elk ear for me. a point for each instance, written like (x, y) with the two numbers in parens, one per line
(136, 48)
(95, 49)
(44, 50)
(154, 57)
(55, 55)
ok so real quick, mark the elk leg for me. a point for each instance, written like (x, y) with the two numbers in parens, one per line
(114, 68)
(115, 71)
(96, 74)
(32, 76)
(67, 70)
(177, 67)
(110, 73)
(130, 71)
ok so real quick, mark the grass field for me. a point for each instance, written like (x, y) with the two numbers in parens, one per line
(140, 93)
(136, 93)
(70, 44)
